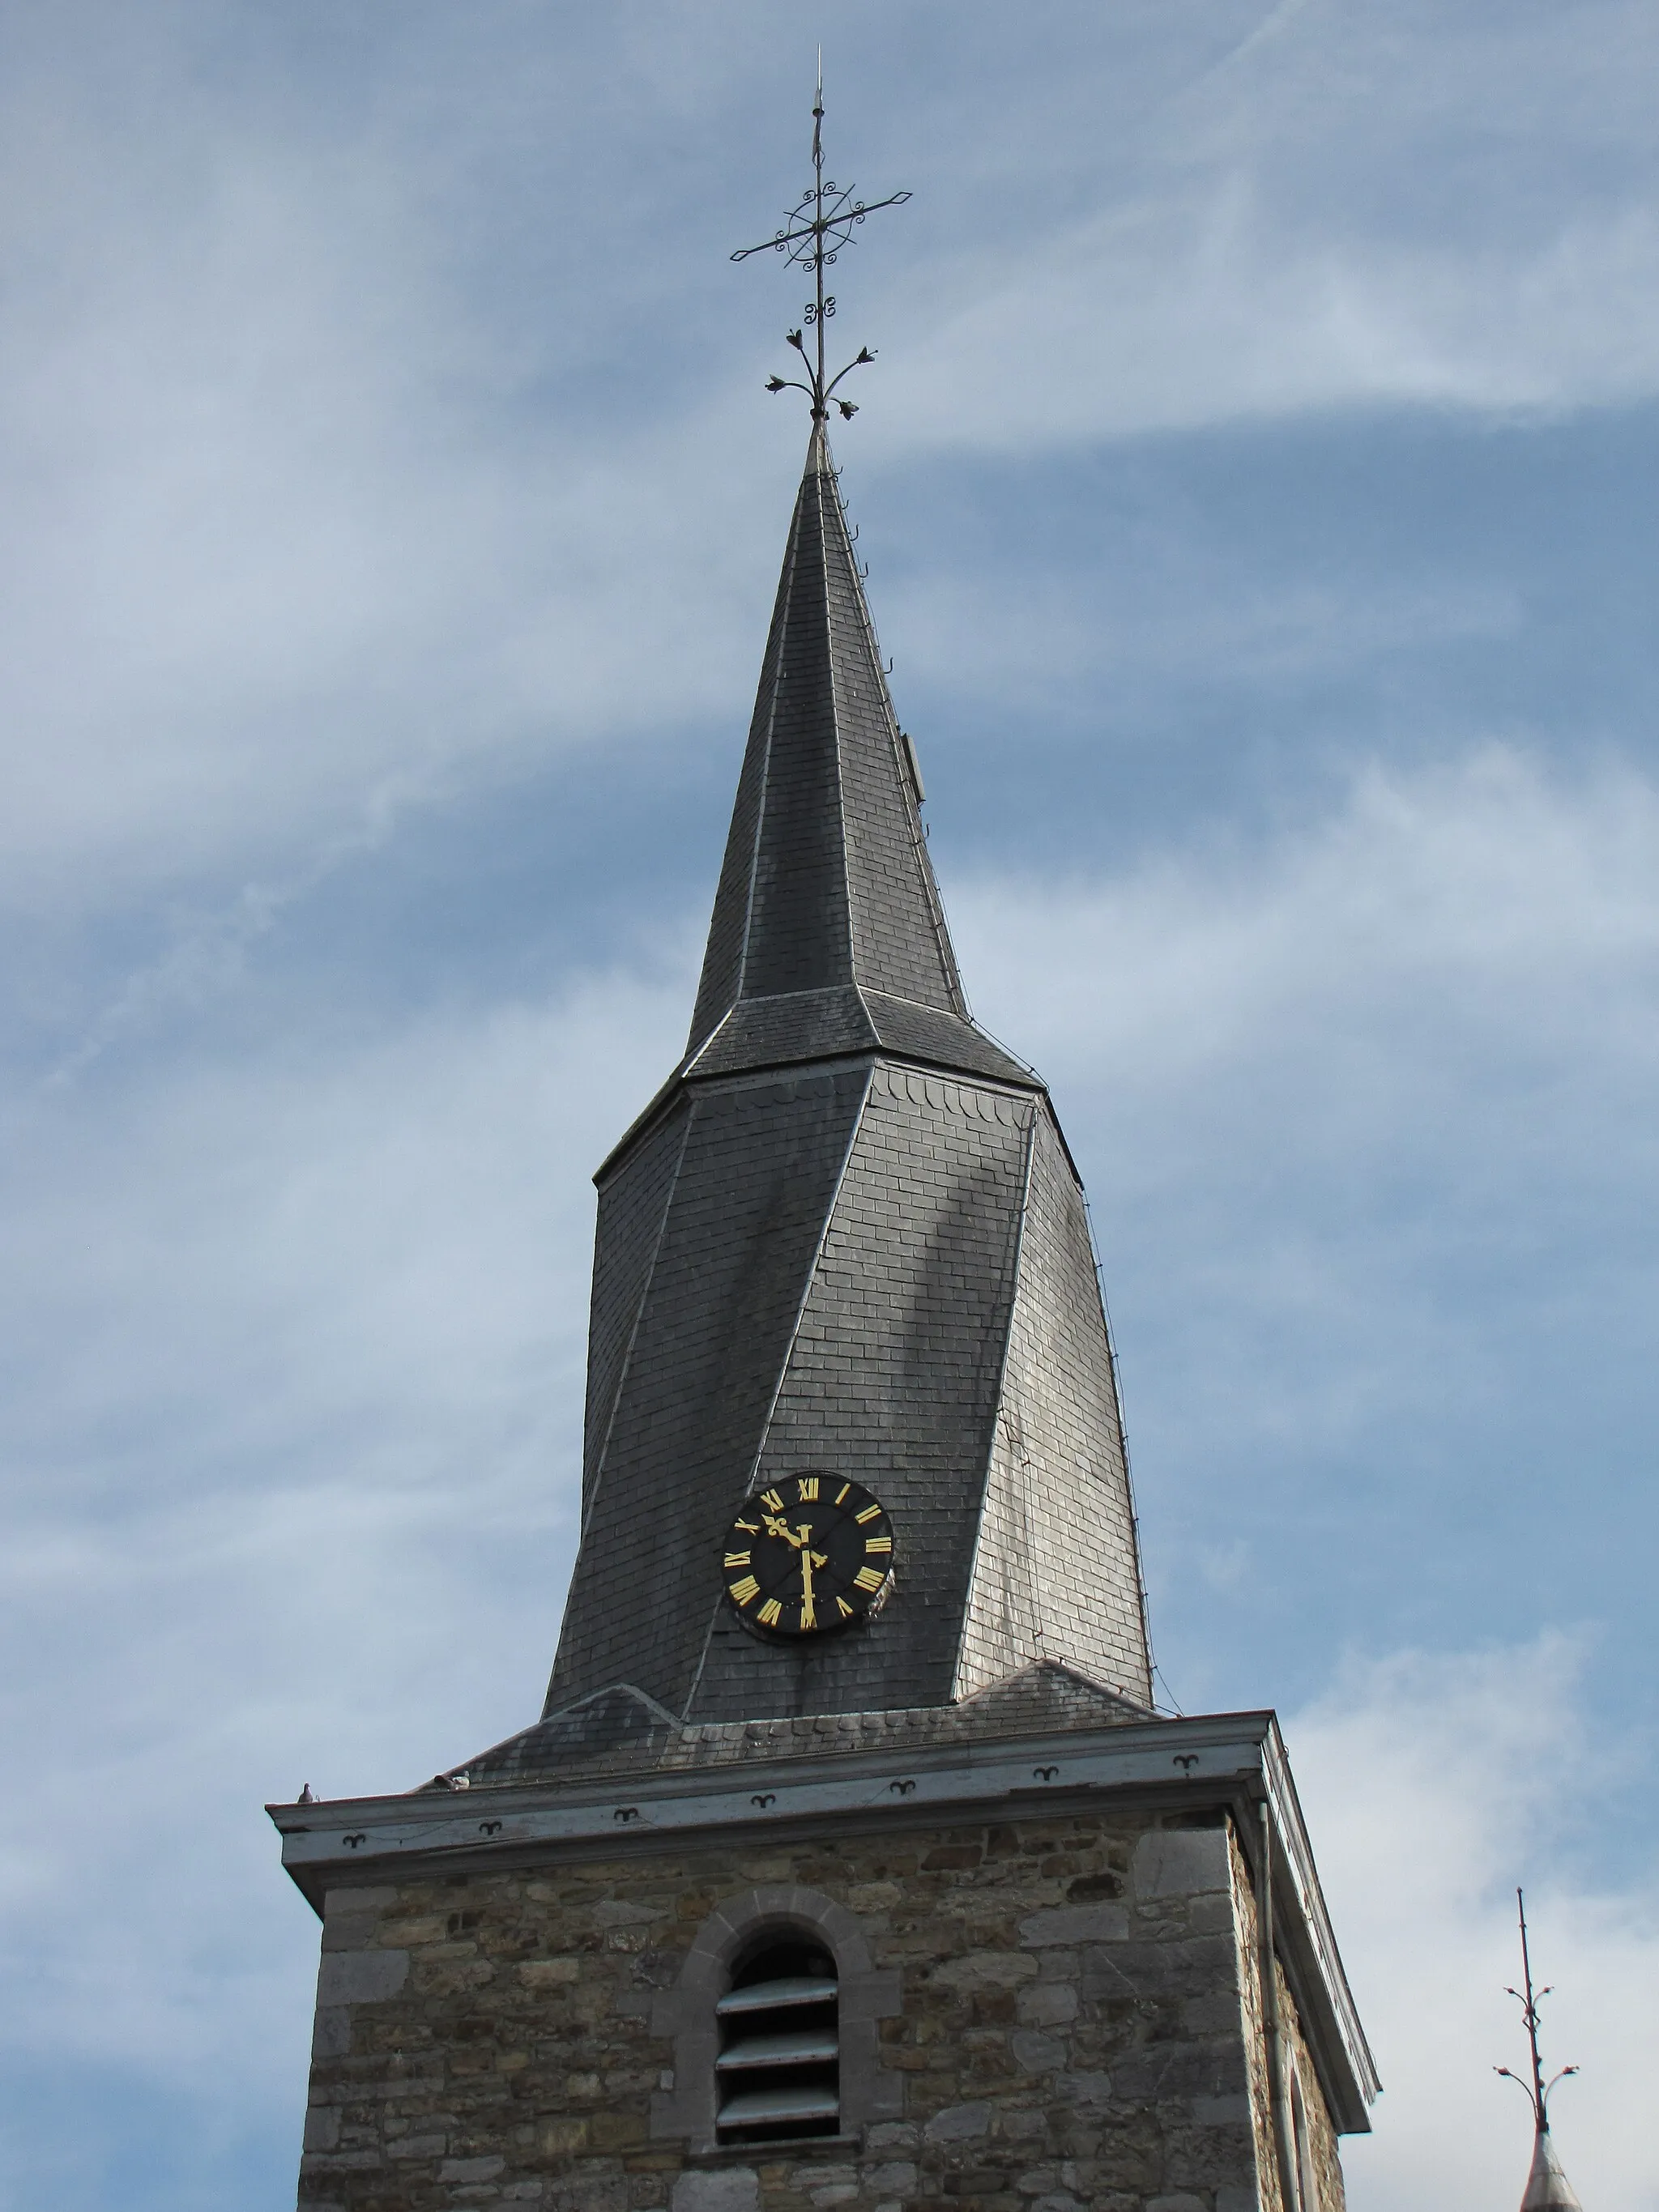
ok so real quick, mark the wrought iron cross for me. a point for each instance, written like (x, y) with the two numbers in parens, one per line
(815, 231)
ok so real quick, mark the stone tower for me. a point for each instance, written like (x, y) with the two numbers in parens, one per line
(890, 1887)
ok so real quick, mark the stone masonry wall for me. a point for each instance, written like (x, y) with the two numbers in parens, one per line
(1323, 2140)
(1071, 2032)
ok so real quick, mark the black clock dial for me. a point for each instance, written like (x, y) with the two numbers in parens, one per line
(813, 1552)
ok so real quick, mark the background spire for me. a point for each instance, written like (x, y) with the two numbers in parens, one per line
(1548, 2187)
(814, 232)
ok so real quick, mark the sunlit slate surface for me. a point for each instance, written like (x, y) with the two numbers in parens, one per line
(892, 1378)
(847, 1235)
(1055, 1576)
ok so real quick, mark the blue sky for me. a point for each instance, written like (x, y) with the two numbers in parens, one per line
(1257, 481)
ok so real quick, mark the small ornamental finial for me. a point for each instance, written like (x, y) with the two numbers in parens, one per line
(1548, 2187)
(1538, 2091)
(815, 231)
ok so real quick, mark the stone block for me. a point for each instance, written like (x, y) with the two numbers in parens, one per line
(1084, 2089)
(349, 1978)
(556, 2136)
(348, 1898)
(891, 2134)
(623, 1912)
(549, 1973)
(471, 2169)
(1220, 2111)
(322, 2127)
(986, 1970)
(1035, 2053)
(1176, 2069)
(1175, 1966)
(725, 2189)
(874, 1896)
(1179, 1862)
(959, 2122)
(900, 2177)
(1075, 1924)
(1209, 1913)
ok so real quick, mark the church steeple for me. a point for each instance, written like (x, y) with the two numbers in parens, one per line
(847, 1235)
(826, 885)
(845, 1240)
(850, 1721)
(827, 936)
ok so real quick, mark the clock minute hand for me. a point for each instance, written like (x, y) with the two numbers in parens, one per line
(808, 1559)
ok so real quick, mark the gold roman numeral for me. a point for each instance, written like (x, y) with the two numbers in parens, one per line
(871, 1544)
(806, 1489)
(809, 1618)
(846, 1609)
(774, 1499)
(843, 1492)
(770, 1614)
(749, 1528)
(869, 1513)
(746, 1591)
(867, 1578)
(741, 1559)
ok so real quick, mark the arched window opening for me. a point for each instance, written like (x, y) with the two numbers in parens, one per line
(778, 2071)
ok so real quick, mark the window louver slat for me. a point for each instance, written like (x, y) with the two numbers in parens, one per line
(778, 2071)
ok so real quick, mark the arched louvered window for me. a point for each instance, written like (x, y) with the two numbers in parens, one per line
(778, 2069)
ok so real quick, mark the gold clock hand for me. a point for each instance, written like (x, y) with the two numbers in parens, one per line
(809, 1618)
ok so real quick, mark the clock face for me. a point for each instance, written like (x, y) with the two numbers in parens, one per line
(814, 1551)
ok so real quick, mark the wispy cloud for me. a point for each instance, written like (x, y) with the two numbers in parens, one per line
(305, 506)
(379, 421)
(1436, 1783)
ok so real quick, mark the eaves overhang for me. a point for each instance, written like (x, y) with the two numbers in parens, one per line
(1233, 1761)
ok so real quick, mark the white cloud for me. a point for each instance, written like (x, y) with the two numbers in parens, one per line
(1433, 1784)
(306, 512)
(1487, 890)
(1217, 316)
(310, 511)
(1366, 1116)
(292, 1422)
(1450, 208)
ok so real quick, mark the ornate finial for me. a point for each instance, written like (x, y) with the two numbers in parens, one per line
(1538, 2091)
(815, 231)
(1548, 2187)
